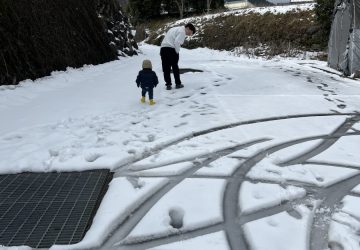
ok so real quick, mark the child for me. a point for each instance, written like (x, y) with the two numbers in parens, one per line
(147, 80)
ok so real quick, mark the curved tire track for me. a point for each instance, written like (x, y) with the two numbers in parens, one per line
(232, 220)
(137, 213)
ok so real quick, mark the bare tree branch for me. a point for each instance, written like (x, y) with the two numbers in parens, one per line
(208, 5)
(180, 4)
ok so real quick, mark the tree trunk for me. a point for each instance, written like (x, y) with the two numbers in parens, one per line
(180, 4)
(208, 5)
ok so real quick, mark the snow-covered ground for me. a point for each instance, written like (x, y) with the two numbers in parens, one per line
(251, 154)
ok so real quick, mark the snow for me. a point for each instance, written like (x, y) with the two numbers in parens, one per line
(344, 232)
(318, 175)
(356, 189)
(222, 167)
(214, 241)
(345, 151)
(351, 206)
(254, 197)
(345, 224)
(92, 118)
(201, 206)
(122, 197)
(168, 170)
(279, 231)
(192, 148)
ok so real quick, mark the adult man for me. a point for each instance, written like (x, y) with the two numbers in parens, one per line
(170, 48)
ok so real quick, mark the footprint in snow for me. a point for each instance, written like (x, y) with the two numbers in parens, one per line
(135, 182)
(185, 115)
(131, 151)
(151, 138)
(295, 214)
(13, 137)
(324, 84)
(92, 157)
(319, 179)
(176, 217)
(272, 223)
(53, 152)
(328, 99)
(181, 124)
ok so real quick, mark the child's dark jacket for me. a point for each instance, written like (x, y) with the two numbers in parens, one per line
(147, 79)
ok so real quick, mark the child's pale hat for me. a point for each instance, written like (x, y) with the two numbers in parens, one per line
(147, 64)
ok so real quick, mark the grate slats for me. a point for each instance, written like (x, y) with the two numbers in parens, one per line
(43, 209)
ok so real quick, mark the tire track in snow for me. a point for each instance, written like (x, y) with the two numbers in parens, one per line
(325, 144)
(234, 188)
(138, 212)
(233, 220)
(123, 167)
(231, 194)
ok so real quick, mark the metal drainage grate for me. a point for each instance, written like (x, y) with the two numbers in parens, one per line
(42, 209)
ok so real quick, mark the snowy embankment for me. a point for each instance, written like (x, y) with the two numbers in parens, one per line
(200, 21)
(245, 136)
(259, 10)
(260, 31)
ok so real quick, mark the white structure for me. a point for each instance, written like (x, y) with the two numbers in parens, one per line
(242, 4)
(289, 1)
(344, 43)
(279, 1)
(301, 1)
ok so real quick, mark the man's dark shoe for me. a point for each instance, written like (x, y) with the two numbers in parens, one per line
(179, 86)
(168, 87)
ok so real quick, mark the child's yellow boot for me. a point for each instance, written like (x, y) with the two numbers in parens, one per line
(152, 102)
(142, 100)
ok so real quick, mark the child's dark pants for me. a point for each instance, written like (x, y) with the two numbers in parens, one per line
(149, 90)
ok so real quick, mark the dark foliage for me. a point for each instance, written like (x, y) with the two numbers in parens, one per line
(39, 36)
(190, 7)
(117, 27)
(260, 2)
(142, 10)
(324, 10)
